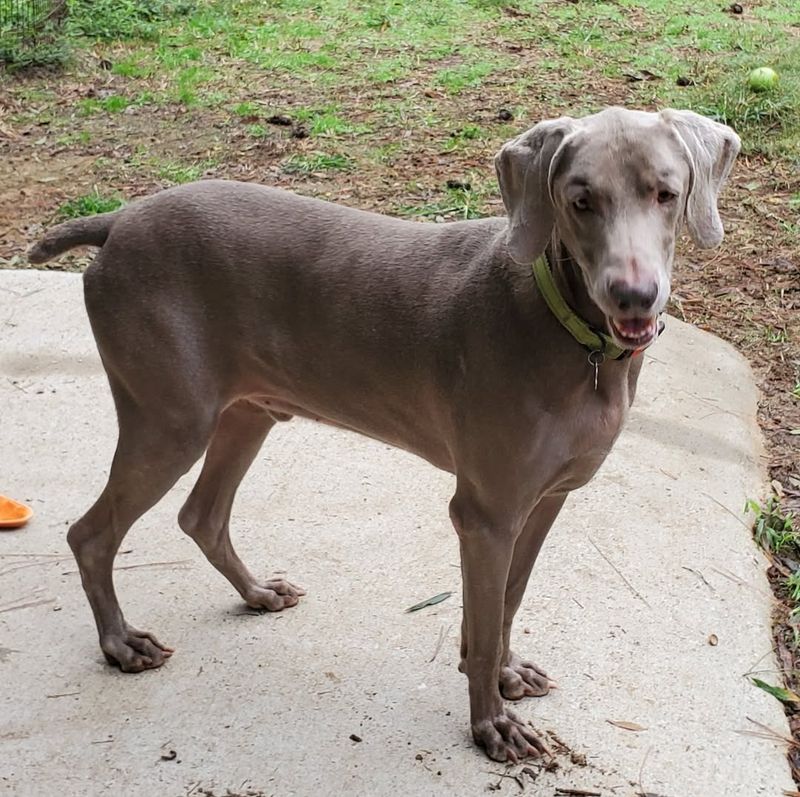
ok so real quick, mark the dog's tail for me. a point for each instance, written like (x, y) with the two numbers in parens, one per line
(91, 230)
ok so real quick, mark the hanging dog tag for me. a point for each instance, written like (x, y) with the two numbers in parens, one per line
(595, 359)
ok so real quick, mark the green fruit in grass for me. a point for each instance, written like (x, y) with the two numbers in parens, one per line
(762, 79)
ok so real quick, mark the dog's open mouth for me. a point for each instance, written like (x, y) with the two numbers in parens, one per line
(633, 333)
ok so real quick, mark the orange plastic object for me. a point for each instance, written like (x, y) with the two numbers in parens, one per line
(13, 514)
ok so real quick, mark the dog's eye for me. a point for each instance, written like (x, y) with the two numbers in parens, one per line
(665, 196)
(581, 204)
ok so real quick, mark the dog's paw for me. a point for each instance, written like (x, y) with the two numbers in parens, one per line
(506, 738)
(133, 651)
(274, 595)
(520, 679)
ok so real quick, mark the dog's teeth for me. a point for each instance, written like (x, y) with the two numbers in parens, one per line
(634, 331)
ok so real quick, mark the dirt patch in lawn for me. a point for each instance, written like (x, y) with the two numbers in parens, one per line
(31, 185)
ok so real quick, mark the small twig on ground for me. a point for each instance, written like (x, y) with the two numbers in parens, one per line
(516, 778)
(765, 732)
(700, 576)
(712, 402)
(443, 633)
(560, 743)
(23, 565)
(730, 512)
(762, 672)
(577, 792)
(155, 564)
(15, 385)
(20, 295)
(27, 605)
(530, 772)
(740, 581)
(649, 794)
(752, 668)
(621, 575)
(438, 211)
(181, 562)
(641, 769)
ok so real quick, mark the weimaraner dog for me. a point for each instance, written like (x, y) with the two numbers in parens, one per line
(220, 308)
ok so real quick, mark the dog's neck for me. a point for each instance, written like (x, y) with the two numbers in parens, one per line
(569, 280)
(614, 379)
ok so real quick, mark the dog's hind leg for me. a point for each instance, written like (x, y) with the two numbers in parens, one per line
(205, 516)
(155, 448)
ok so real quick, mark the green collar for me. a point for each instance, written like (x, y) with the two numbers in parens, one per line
(593, 340)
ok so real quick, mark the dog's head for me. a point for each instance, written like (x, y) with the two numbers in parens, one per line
(615, 187)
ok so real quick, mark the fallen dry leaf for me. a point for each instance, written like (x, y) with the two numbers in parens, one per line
(627, 726)
(784, 695)
(429, 602)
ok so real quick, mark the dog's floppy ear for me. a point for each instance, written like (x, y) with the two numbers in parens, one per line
(711, 148)
(523, 167)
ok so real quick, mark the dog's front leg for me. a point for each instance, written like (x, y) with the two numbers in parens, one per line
(519, 677)
(487, 542)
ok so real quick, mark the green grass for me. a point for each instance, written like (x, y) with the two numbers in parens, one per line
(773, 529)
(458, 78)
(793, 586)
(548, 57)
(130, 68)
(177, 173)
(774, 335)
(386, 153)
(88, 205)
(769, 122)
(462, 138)
(389, 70)
(82, 137)
(713, 48)
(466, 199)
(459, 48)
(22, 46)
(112, 104)
(316, 162)
(257, 131)
(50, 50)
(104, 20)
(328, 122)
(114, 20)
(247, 109)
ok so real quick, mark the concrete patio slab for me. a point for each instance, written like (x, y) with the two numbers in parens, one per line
(643, 567)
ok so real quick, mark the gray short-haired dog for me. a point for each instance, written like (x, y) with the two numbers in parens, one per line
(499, 350)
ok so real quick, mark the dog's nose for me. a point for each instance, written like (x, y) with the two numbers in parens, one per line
(633, 297)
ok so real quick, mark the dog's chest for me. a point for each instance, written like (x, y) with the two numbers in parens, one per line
(588, 436)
